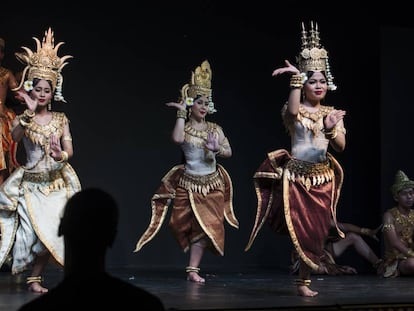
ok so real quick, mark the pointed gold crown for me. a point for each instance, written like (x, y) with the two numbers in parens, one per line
(200, 82)
(313, 56)
(44, 63)
(200, 85)
(401, 182)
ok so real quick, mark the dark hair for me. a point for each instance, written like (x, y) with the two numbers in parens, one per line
(37, 80)
(310, 73)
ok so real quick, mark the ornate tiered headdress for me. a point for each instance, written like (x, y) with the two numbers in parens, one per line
(313, 56)
(200, 85)
(43, 64)
(401, 182)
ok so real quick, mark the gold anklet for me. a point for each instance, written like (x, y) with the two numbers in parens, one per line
(33, 279)
(192, 269)
(302, 282)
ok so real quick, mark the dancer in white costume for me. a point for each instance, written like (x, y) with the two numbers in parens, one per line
(33, 197)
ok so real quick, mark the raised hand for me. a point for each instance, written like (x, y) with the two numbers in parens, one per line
(30, 103)
(333, 118)
(55, 147)
(288, 68)
(212, 142)
(179, 106)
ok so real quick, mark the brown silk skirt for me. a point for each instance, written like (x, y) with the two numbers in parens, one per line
(195, 216)
(308, 218)
(290, 207)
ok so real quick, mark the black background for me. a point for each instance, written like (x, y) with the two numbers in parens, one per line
(130, 59)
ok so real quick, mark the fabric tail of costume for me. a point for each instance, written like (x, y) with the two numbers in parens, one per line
(193, 216)
(41, 209)
(280, 203)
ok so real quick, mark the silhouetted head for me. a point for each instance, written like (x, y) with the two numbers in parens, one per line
(90, 219)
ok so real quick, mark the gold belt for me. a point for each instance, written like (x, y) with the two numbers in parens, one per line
(308, 173)
(201, 184)
(42, 176)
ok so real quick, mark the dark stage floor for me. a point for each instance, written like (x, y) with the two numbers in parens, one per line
(245, 289)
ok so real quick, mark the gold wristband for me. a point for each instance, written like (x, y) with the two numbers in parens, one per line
(29, 114)
(24, 121)
(181, 114)
(297, 81)
(330, 134)
(410, 253)
(63, 157)
(365, 231)
(221, 150)
(26, 117)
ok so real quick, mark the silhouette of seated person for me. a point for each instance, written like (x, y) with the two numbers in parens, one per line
(89, 226)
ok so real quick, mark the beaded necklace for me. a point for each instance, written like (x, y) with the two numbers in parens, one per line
(198, 137)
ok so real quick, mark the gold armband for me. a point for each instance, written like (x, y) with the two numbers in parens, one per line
(67, 138)
(63, 157)
(181, 114)
(387, 227)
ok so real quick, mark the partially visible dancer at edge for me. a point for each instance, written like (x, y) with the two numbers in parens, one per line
(8, 147)
(33, 197)
(398, 229)
(200, 190)
(298, 191)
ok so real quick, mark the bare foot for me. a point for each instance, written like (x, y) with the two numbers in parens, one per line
(305, 291)
(194, 277)
(35, 287)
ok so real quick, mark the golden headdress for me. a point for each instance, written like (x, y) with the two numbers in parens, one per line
(43, 64)
(313, 56)
(401, 182)
(200, 85)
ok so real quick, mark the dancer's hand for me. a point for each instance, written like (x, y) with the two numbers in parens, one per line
(288, 68)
